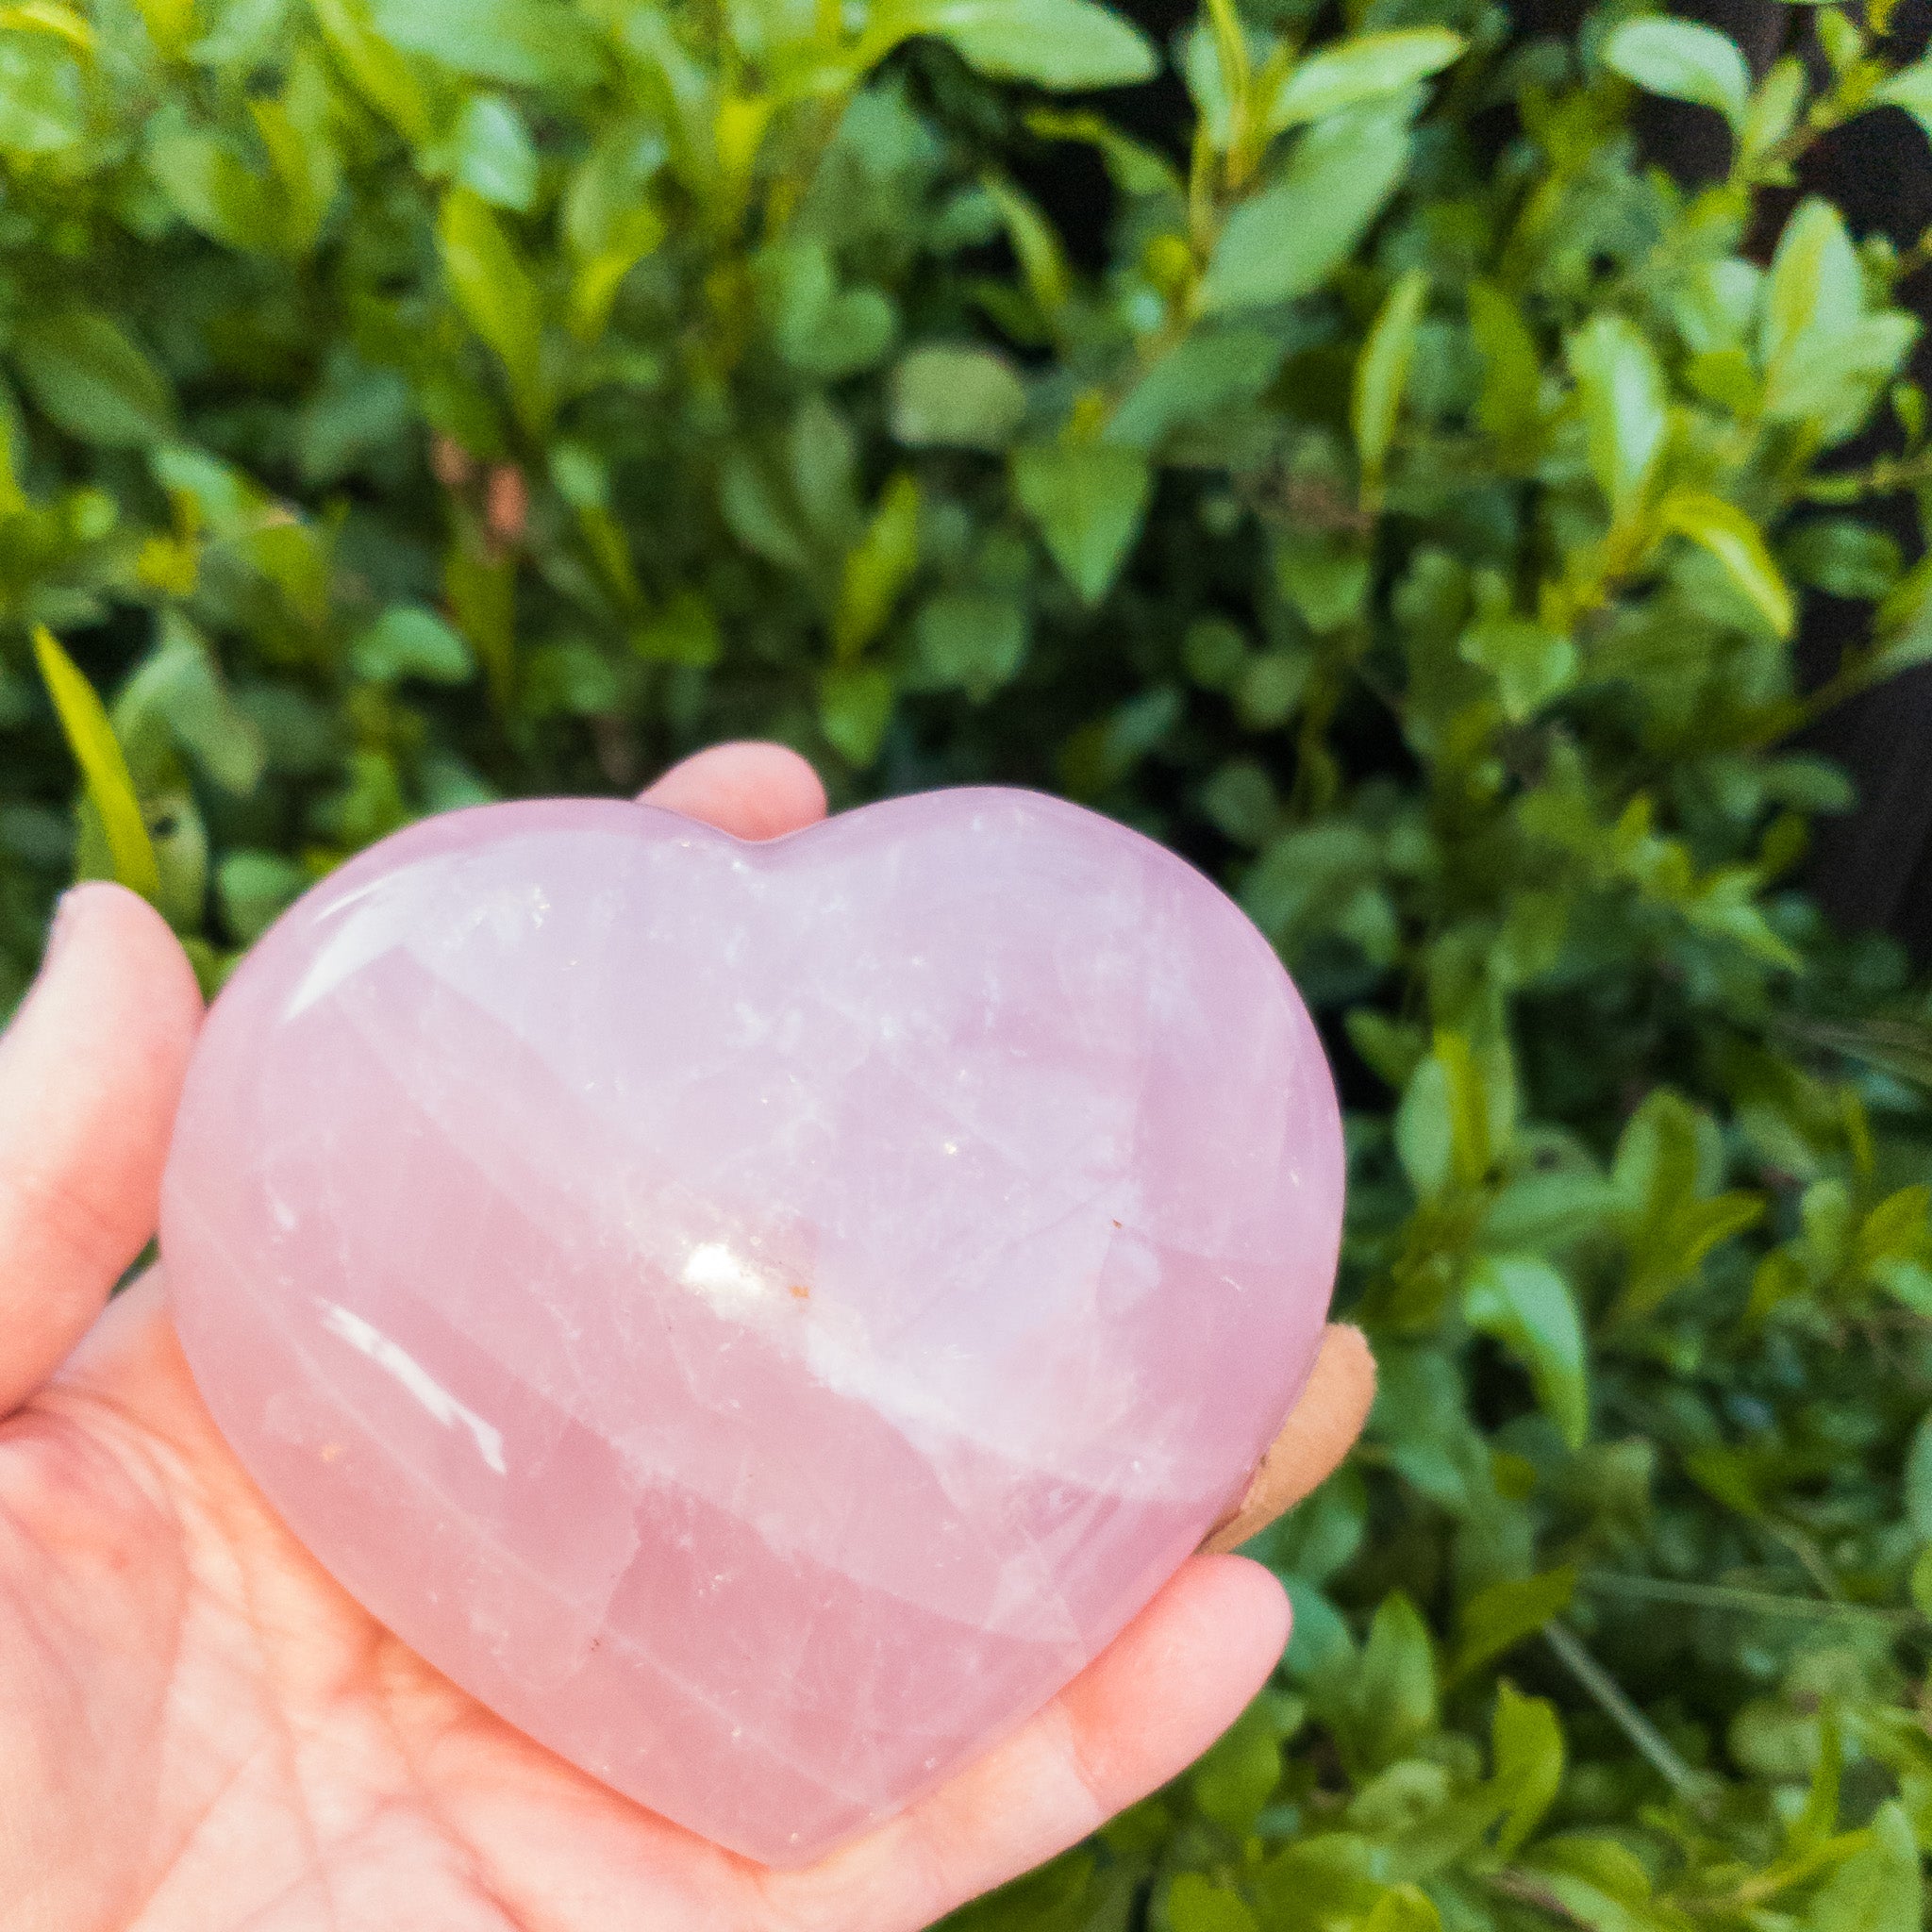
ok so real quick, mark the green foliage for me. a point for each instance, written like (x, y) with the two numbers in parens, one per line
(407, 402)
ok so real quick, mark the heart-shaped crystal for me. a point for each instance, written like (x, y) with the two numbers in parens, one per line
(760, 1317)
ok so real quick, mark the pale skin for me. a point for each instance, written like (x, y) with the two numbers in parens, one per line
(199, 1732)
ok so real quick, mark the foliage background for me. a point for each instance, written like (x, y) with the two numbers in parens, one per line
(1388, 490)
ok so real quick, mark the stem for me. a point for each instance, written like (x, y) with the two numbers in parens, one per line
(1886, 477)
(1695, 1788)
(1231, 51)
(1528, 1890)
(1717, 1597)
(1809, 1557)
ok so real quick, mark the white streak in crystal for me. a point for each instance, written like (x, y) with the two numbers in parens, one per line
(370, 1340)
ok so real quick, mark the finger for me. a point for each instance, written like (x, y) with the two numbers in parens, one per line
(751, 790)
(89, 1074)
(1165, 1689)
(1317, 1435)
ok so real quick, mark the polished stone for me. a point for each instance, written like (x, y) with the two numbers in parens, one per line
(760, 1317)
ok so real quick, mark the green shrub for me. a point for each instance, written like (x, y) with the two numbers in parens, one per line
(410, 402)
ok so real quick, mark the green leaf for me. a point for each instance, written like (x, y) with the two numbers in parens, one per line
(1322, 1878)
(1501, 1615)
(609, 221)
(1918, 1480)
(878, 568)
(1361, 69)
(1391, 1700)
(491, 151)
(1218, 57)
(1738, 544)
(1320, 1649)
(1403, 1908)
(252, 888)
(1324, 1533)
(1845, 558)
(1599, 1882)
(949, 395)
(177, 695)
(1775, 108)
(1424, 1130)
(1624, 403)
(1393, 1049)
(1042, 260)
(1727, 1477)
(91, 378)
(1509, 405)
(685, 631)
(1288, 238)
(1087, 499)
(212, 189)
(1910, 88)
(1530, 1310)
(1269, 686)
(758, 519)
(1197, 1904)
(51, 17)
(1881, 1884)
(43, 105)
(821, 328)
(1104, 752)
(973, 642)
(103, 767)
(481, 588)
(180, 846)
(1919, 1585)
(526, 43)
(1381, 373)
(1055, 43)
(1530, 662)
(170, 26)
(409, 641)
(1133, 168)
(1209, 372)
(1814, 287)
(381, 76)
(1826, 359)
(1477, 1129)
(1548, 1209)
(498, 299)
(1526, 1742)
(1683, 60)
(297, 131)
(821, 468)
(1238, 1773)
(854, 707)
(1818, 1822)
(570, 677)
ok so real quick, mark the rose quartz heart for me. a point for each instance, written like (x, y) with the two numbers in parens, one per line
(760, 1317)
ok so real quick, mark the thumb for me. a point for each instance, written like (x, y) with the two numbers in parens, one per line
(1317, 1435)
(89, 1072)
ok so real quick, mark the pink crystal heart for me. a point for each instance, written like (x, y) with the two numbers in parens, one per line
(760, 1317)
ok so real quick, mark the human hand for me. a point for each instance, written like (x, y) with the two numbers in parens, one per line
(199, 1730)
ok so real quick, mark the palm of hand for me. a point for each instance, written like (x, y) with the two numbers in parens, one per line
(202, 1731)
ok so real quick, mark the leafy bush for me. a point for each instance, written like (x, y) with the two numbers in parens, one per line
(1402, 509)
